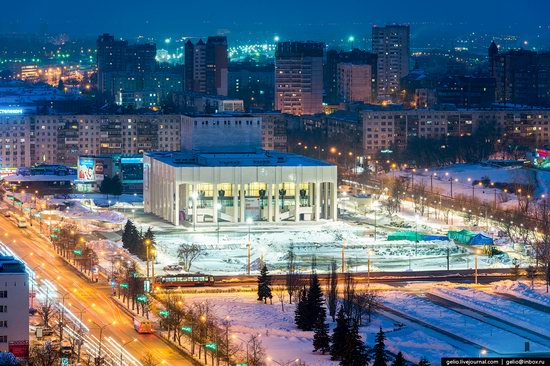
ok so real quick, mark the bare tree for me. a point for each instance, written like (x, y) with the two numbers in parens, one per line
(187, 253)
(43, 355)
(349, 294)
(281, 293)
(292, 276)
(149, 360)
(256, 351)
(332, 290)
(365, 303)
(46, 311)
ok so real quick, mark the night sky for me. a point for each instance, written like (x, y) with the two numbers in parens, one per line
(246, 19)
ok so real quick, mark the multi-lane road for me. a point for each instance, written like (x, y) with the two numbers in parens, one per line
(91, 299)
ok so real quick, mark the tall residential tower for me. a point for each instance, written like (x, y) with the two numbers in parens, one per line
(391, 44)
(299, 77)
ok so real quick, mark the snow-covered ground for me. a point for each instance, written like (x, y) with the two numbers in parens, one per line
(524, 291)
(284, 342)
(497, 306)
(494, 339)
(464, 174)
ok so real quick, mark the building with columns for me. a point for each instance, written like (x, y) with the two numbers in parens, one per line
(207, 187)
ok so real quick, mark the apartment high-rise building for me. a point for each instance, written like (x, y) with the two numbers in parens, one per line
(111, 57)
(14, 307)
(522, 76)
(330, 72)
(206, 66)
(119, 62)
(195, 66)
(217, 62)
(391, 44)
(354, 83)
(299, 77)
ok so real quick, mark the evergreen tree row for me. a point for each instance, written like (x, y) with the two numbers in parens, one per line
(135, 241)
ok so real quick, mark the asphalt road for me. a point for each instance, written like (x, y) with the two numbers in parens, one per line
(94, 299)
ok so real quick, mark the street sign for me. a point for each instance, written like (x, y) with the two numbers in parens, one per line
(146, 285)
(241, 364)
(56, 229)
(124, 285)
(141, 298)
(27, 208)
(77, 252)
(187, 329)
(54, 236)
(211, 346)
(164, 313)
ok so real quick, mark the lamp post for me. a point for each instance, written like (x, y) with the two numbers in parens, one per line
(297, 361)
(249, 221)
(80, 311)
(218, 209)
(475, 265)
(124, 345)
(34, 278)
(153, 259)
(101, 328)
(147, 243)
(61, 323)
(369, 253)
(432, 182)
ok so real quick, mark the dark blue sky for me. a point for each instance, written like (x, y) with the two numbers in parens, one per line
(243, 19)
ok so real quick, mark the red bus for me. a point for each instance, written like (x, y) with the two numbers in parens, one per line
(184, 280)
(143, 326)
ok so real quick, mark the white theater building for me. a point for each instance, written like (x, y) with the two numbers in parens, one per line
(204, 186)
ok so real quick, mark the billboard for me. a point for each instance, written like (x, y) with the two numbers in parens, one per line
(86, 169)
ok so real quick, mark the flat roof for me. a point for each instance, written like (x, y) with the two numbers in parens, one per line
(9, 264)
(234, 159)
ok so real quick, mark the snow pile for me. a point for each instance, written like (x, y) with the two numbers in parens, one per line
(507, 310)
(523, 291)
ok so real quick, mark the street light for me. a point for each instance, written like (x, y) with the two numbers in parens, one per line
(249, 221)
(101, 328)
(297, 361)
(477, 252)
(218, 209)
(369, 253)
(147, 244)
(124, 345)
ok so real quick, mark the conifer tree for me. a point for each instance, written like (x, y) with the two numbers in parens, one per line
(340, 336)
(315, 301)
(264, 285)
(301, 317)
(380, 358)
(399, 360)
(321, 339)
(356, 352)
(127, 235)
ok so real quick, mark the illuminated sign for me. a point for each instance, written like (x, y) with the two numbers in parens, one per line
(86, 169)
(542, 159)
(131, 160)
(11, 111)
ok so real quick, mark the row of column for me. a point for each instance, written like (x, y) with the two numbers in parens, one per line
(322, 199)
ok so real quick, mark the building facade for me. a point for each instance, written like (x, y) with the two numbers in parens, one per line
(14, 307)
(391, 45)
(220, 131)
(299, 77)
(354, 83)
(206, 188)
(206, 66)
(522, 76)
(385, 129)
